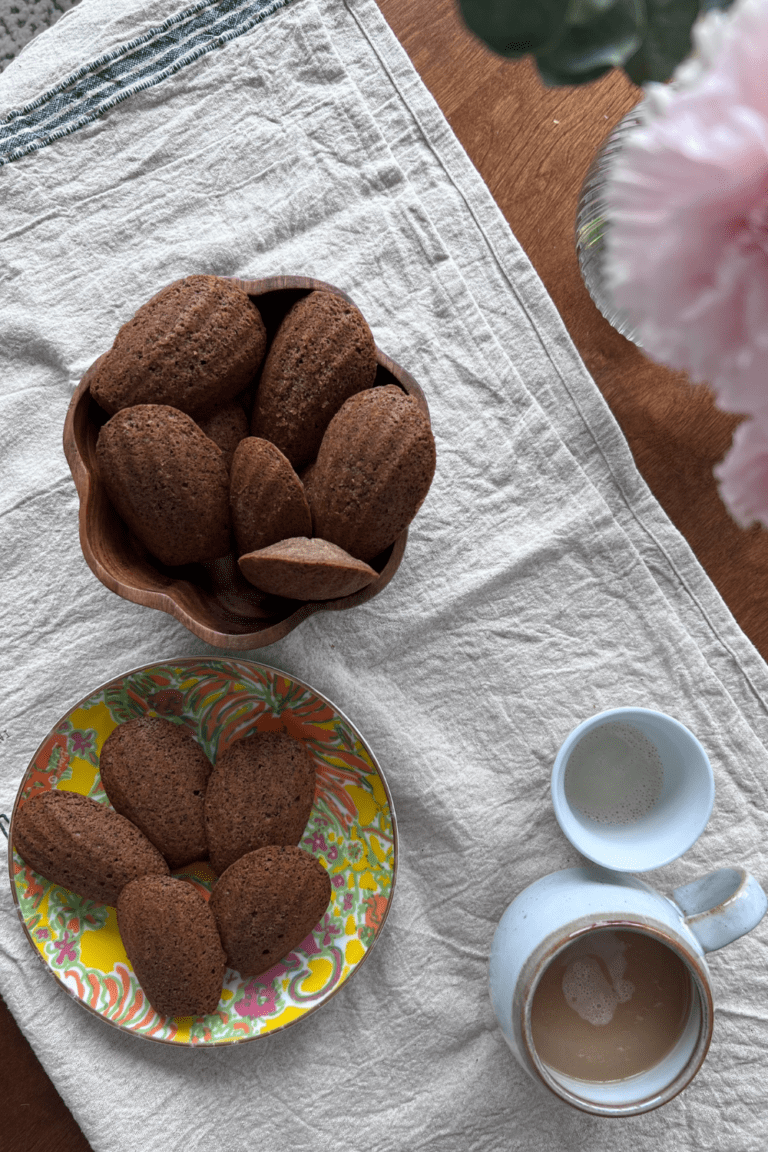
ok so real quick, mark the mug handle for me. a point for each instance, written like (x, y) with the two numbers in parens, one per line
(721, 906)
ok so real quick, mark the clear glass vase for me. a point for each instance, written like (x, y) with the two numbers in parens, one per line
(592, 225)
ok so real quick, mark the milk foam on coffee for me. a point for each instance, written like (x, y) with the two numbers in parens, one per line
(593, 989)
(610, 1005)
(614, 774)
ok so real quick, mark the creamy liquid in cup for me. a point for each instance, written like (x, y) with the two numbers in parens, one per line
(610, 1005)
(614, 774)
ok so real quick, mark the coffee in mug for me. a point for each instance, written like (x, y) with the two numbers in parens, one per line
(610, 1005)
(633, 962)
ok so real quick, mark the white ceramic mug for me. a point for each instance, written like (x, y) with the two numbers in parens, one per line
(558, 909)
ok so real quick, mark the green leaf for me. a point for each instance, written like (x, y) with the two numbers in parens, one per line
(514, 27)
(597, 35)
(667, 39)
(576, 41)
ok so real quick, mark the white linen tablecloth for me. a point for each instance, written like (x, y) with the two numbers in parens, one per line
(541, 583)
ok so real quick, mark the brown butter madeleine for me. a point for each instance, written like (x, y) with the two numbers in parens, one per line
(322, 353)
(167, 481)
(260, 792)
(266, 496)
(372, 473)
(170, 937)
(266, 903)
(155, 774)
(197, 342)
(82, 845)
(306, 570)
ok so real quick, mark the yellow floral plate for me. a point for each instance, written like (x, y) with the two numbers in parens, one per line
(351, 829)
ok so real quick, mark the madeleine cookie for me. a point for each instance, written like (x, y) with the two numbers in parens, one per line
(372, 473)
(226, 426)
(322, 353)
(82, 845)
(266, 497)
(170, 937)
(155, 773)
(306, 570)
(168, 481)
(197, 343)
(266, 903)
(260, 792)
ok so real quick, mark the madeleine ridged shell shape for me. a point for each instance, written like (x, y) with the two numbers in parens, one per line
(197, 343)
(322, 353)
(372, 473)
(83, 845)
(266, 496)
(168, 481)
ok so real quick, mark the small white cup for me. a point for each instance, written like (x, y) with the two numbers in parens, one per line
(632, 789)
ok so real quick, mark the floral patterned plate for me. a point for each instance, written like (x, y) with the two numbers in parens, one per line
(351, 829)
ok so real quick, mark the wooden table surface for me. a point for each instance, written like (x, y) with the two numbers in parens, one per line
(532, 146)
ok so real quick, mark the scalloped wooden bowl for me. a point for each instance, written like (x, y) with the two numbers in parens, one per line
(214, 601)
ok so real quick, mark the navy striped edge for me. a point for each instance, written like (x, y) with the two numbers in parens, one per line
(140, 63)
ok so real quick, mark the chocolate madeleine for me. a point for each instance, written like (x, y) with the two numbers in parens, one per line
(322, 353)
(155, 773)
(306, 570)
(82, 845)
(266, 497)
(260, 792)
(226, 426)
(266, 903)
(372, 473)
(168, 481)
(170, 937)
(197, 343)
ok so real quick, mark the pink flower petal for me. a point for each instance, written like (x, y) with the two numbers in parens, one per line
(687, 250)
(743, 475)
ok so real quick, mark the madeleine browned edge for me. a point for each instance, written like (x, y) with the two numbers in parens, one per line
(214, 601)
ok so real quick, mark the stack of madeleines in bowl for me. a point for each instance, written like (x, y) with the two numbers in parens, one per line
(171, 808)
(286, 448)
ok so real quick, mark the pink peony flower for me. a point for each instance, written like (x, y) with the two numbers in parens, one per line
(687, 249)
(743, 475)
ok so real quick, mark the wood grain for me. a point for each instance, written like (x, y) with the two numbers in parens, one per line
(533, 147)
